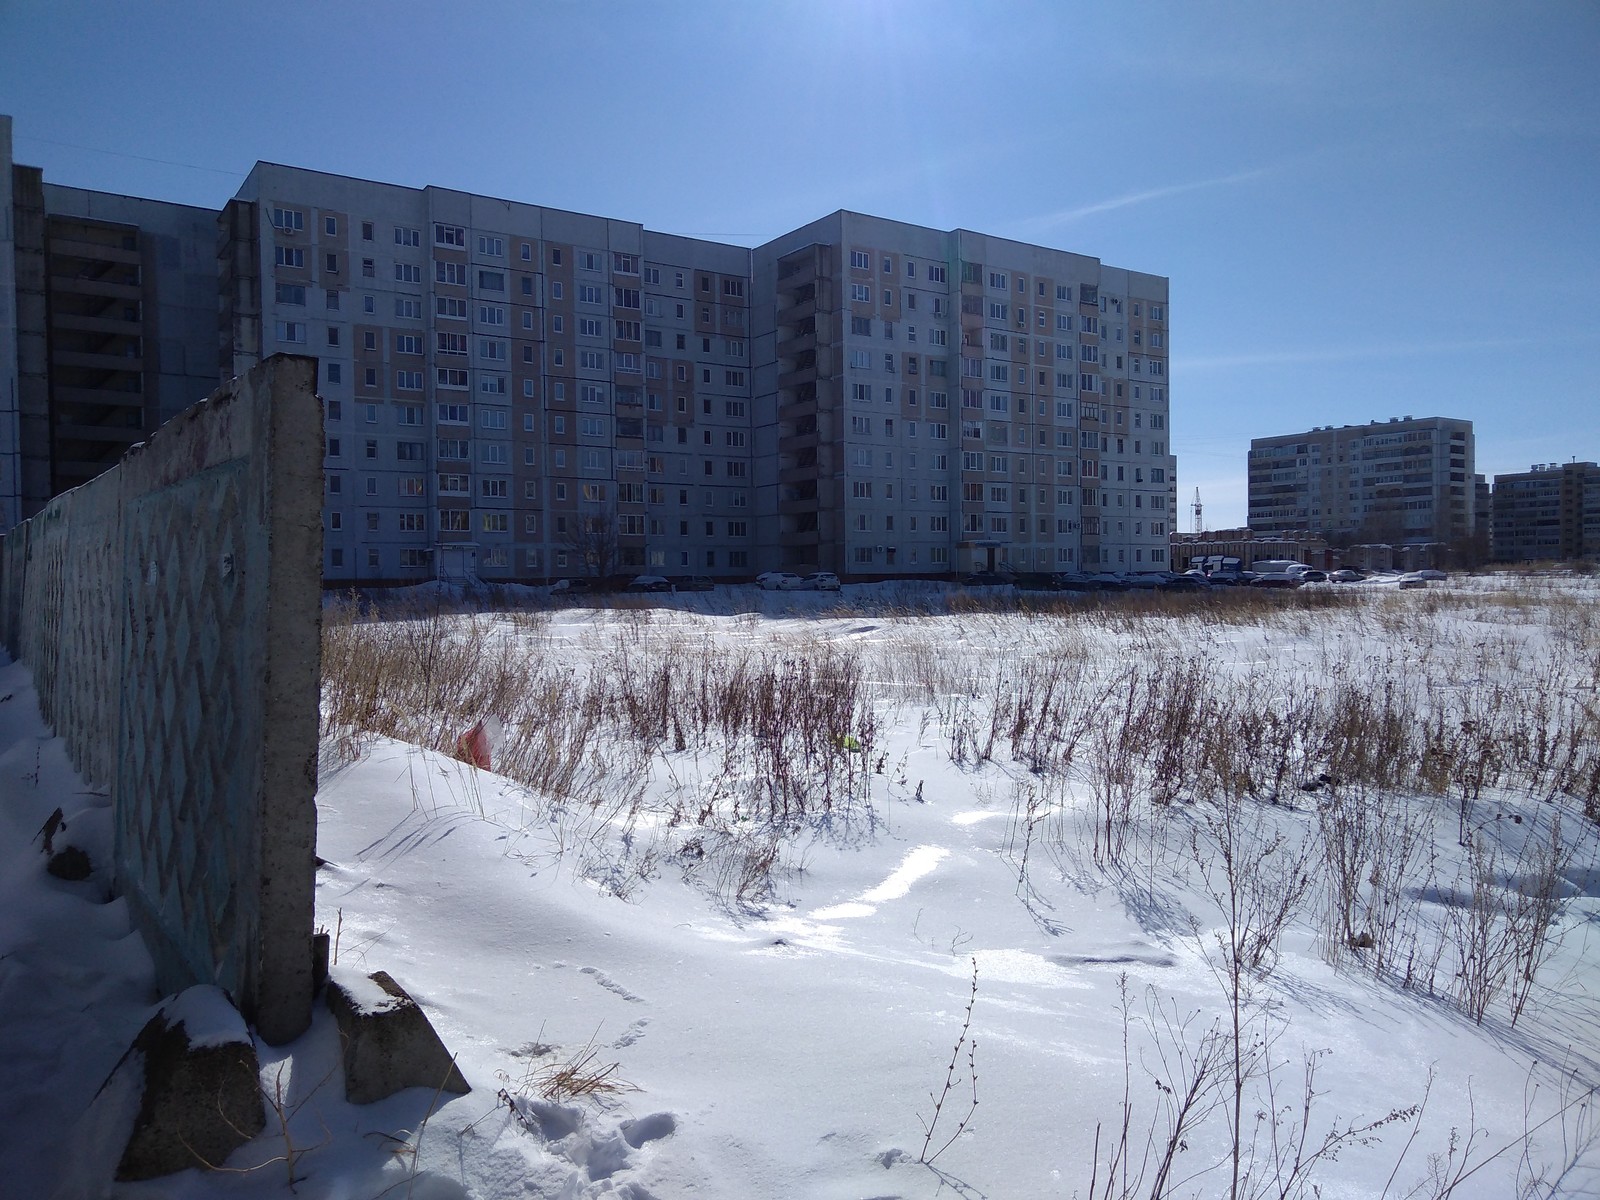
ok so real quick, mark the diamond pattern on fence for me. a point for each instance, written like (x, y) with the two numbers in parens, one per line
(41, 618)
(188, 776)
(90, 633)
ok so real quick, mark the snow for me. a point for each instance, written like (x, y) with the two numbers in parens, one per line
(791, 1042)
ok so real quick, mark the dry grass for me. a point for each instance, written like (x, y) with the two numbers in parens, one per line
(710, 744)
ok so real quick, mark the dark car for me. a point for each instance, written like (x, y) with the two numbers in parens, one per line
(693, 583)
(1107, 581)
(1070, 581)
(571, 587)
(650, 583)
(1184, 583)
(986, 579)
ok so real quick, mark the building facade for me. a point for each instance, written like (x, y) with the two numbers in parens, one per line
(935, 401)
(1549, 512)
(1404, 480)
(113, 303)
(518, 393)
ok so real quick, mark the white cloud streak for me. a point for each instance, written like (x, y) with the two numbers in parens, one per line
(1130, 199)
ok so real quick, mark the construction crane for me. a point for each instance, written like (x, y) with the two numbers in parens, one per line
(1195, 509)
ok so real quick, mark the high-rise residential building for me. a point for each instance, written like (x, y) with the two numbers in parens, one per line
(1551, 511)
(113, 303)
(515, 392)
(510, 391)
(1404, 480)
(937, 401)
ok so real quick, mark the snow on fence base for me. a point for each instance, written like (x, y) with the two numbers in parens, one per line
(170, 612)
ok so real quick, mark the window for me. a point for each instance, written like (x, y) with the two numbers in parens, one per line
(448, 377)
(291, 331)
(997, 279)
(493, 247)
(859, 292)
(449, 235)
(492, 281)
(408, 381)
(290, 256)
(402, 235)
(860, 260)
(451, 273)
(291, 293)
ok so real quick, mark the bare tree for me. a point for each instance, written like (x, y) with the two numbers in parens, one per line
(591, 538)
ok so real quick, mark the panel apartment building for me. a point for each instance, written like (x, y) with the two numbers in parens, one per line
(520, 393)
(516, 392)
(938, 401)
(1549, 512)
(1404, 480)
(107, 316)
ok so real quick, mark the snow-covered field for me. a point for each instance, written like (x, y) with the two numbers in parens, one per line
(789, 879)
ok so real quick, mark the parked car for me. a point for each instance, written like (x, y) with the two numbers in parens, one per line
(1413, 579)
(649, 583)
(1347, 575)
(821, 581)
(569, 587)
(1431, 573)
(1070, 581)
(985, 579)
(1186, 582)
(780, 581)
(1107, 581)
(1276, 579)
(1312, 575)
(693, 583)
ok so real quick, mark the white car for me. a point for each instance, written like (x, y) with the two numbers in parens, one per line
(1413, 579)
(821, 581)
(780, 581)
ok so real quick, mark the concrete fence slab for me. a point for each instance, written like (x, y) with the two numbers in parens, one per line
(171, 612)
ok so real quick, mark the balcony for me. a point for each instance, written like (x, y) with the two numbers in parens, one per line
(97, 362)
(115, 288)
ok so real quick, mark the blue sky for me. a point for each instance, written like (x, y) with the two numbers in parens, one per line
(1366, 210)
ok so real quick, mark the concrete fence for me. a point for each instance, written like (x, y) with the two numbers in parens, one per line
(170, 613)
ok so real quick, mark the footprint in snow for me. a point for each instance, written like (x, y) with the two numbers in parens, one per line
(632, 1034)
(611, 985)
(649, 1129)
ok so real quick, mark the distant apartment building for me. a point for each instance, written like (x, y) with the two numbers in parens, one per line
(112, 303)
(1404, 480)
(1551, 511)
(517, 393)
